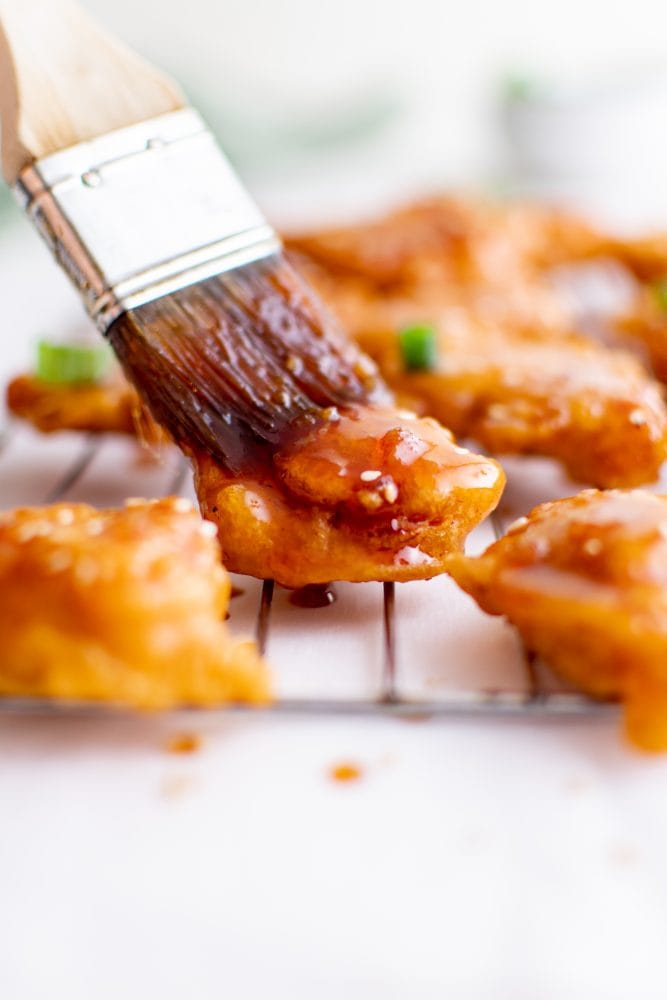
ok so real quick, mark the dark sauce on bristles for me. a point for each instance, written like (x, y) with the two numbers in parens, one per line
(237, 364)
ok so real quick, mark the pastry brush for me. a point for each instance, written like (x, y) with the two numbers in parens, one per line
(177, 267)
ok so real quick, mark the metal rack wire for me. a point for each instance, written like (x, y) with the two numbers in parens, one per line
(536, 700)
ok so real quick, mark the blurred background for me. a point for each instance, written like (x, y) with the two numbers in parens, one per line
(331, 109)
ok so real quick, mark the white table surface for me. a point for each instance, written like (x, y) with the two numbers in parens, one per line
(510, 861)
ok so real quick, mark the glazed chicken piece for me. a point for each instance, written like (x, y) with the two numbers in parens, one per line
(427, 262)
(123, 606)
(448, 239)
(508, 371)
(585, 582)
(593, 409)
(373, 494)
(96, 407)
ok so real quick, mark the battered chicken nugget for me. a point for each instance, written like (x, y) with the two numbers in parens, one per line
(124, 606)
(509, 371)
(97, 407)
(585, 582)
(375, 494)
(593, 409)
(453, 240)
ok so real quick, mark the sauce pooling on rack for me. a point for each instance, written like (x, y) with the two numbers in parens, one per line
(314, 595)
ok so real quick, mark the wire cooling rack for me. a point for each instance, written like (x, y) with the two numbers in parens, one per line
(104, 469)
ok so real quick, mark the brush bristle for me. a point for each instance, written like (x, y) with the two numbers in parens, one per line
(230, 364)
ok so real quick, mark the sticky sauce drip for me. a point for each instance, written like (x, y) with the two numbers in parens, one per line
(183, 743)
(315, 595)
(345, 771)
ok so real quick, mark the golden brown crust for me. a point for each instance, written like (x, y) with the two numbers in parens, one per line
(122, 606)
(449, 239)
(100, 407)
(593, 409)
(374, 495)
(585, 582)
(95, 407)
(510, 373)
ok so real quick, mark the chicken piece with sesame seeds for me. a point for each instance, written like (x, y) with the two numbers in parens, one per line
(585, 582)
(374, 493)
(506, 369)
(122, 606)
(593, 409)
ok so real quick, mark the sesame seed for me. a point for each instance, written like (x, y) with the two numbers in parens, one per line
(637, 418)
(86, 571)
(370, 475)
(370, 500)
(497, 412)
(34, 529)
(394, 524)
(389, 491)
(593, 547)
(294, 364)
(59, 561)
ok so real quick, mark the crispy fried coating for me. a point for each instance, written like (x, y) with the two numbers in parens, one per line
(96, 407)
(452, 240)
(88, 406)
(510, 373)
(124, 606)
(593, 409)
(585, 582)
(374, 494)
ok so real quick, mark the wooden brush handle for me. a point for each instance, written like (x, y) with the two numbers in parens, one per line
(64, 80)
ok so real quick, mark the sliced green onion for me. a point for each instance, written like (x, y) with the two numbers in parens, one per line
(72, 362)
(659, 290)
(521, 89)
(419, 347)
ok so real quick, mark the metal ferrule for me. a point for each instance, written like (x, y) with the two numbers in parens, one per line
(143, 211)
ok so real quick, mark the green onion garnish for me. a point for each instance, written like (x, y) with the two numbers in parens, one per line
(72, 362)
(659, 290)
(520, 89)
(419, 347)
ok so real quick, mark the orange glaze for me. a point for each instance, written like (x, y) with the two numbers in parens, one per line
(373, 494)
(585, 581)
(510, 373)
(367, 454)
(122, 605)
